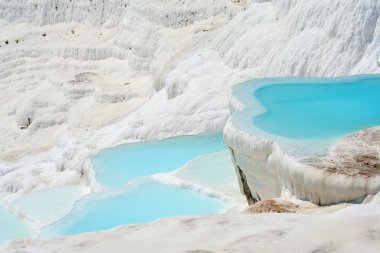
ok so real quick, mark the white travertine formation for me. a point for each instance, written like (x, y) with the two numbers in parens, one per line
(67, 66)
(271, 173)
(93, 74)
(323, 171)
(179, 55)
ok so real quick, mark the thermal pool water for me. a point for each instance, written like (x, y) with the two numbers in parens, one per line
(135, 178)
(307, 116)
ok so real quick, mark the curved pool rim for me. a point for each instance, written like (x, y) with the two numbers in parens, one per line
(245, 106)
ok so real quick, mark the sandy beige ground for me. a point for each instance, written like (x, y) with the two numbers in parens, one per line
(348, 230)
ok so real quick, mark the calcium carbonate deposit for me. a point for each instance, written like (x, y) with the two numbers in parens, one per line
(80, 76)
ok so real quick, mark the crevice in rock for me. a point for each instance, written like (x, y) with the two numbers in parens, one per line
(247, 192)
(243, 180)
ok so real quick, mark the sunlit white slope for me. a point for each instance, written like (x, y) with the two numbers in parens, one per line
(77, 65)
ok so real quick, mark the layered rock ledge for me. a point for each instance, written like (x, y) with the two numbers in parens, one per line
(350, 172)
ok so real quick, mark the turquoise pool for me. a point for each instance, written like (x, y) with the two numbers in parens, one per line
(307, 116)
(312, 108)
(115, 167)
(319, 110)
(12, 227)
(143, 199)
(135, 204)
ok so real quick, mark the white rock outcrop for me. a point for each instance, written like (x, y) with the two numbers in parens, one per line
(269, 166)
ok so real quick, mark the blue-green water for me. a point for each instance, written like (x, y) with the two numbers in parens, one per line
(302, 108)
(11, 227)
(114, 167)
(143, 200)
(144, 203)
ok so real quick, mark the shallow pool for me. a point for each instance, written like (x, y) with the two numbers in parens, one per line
(307, 116)
(114, 167)
(135, 204)
(144, 199)
(47, 205)
(12, 227)
(318, 109)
